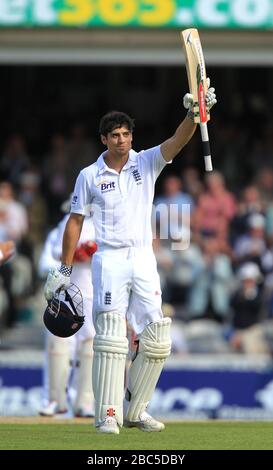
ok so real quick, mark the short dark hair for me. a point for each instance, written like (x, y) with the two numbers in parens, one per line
(114, 120)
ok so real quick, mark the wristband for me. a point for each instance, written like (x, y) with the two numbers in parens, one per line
(65, 270)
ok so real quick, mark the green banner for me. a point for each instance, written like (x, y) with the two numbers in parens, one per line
(138, 13)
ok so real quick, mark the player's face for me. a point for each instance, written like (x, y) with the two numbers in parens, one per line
(119, 141)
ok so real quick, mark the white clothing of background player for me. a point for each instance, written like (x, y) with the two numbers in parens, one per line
(76, 350)
(120, 187)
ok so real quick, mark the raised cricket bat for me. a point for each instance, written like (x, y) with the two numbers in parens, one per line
(196, 71)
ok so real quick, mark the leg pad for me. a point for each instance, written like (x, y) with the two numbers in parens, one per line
(154, 348)
(110, 351)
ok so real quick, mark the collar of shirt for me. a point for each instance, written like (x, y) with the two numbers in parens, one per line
(102, 167)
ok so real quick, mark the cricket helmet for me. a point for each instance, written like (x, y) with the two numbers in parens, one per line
(64, 314)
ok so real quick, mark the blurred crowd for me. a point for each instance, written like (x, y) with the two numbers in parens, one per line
(219, 289)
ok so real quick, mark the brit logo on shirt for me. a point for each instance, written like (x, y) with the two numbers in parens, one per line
(137, 177)
(106, 187)
(74, 200)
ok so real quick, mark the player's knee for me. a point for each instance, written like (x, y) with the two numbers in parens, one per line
(110, 333)
(155, 340)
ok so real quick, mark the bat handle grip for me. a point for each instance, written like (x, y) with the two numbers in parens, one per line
(206, 146)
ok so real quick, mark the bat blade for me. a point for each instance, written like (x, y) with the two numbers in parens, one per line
(196, 72)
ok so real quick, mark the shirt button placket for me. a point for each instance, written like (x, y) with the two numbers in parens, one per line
(121, 181)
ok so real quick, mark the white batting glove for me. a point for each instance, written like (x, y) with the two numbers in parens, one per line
(56, 280)
(210, 98)
(188, 101)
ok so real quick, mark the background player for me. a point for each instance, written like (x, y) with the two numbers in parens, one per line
(75, 351)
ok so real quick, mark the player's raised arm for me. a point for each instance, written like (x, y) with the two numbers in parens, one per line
(172, 146)
(59, 278)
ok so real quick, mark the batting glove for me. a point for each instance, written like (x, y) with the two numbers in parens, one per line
(188, 101)
(57, 279)
(210, 98)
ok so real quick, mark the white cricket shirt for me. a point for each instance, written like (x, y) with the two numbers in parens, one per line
(121, 202)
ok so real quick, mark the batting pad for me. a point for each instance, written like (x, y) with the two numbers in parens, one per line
(58, 370)
(154, 348)
(85, 397)
(110, 351)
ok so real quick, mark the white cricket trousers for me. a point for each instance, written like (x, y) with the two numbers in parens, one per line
(126, 280)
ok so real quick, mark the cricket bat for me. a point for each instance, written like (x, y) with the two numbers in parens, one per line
(196, 71)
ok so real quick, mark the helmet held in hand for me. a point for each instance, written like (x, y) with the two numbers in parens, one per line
(64, 314)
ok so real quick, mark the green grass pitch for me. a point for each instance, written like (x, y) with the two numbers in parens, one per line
(26, 434)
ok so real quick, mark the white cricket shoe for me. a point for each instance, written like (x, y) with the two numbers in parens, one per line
(84, 413)
(109, 425)
(146, 423)
(51, 409)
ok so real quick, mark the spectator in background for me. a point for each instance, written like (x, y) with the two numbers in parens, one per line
(16, 221)
(261, 149)
(173, 214)
(247, 307)
(191, 183)
(55, 175)
(252, 245)
(250, 202)
(36, 207)
(264, 184)
(3, 224)
(14, 160)
(209, 295)
(13, 226)
(215, 208)
(82, 151)
(7, 249)
(182, 275)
